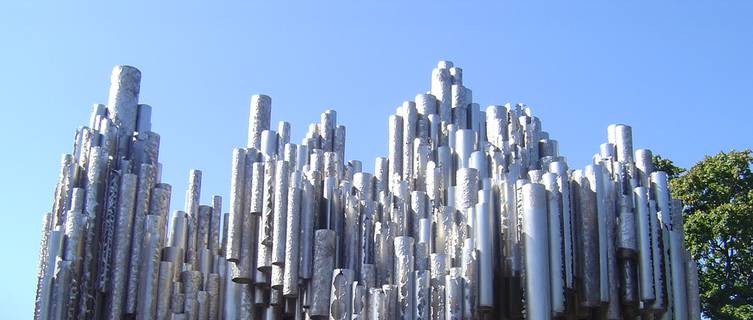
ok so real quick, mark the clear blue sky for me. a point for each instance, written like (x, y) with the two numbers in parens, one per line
(679, 72)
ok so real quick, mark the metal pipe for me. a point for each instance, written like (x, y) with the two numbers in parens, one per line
(588, 240)
(292, 242)
(404, 264)
(324, 250)
(259, 119)
(535, 230)
(122, 242)
(645, 269)
(341, 295)
(454, 294)
(235, 221)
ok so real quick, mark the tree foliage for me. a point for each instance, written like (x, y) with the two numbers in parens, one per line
(718, 195)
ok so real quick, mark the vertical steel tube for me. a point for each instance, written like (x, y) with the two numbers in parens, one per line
(341, 295)
(150, 267)
(324, 251)
(441, 83)
(645, 269)
(588, 240)
(404, 264)
(395, 151)
(259, 119)
(454, 295)
(292, 241)
(123, 225)
(677, 263)
(556, 248)
(535, 230)
(235, 221)
(595, 176)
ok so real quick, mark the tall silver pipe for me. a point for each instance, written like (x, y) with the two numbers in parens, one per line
(259, 119)
(395, 151)
(677, 266)
(441, 83)
(292, 241)
(535, 230)
(122, 102)
(280, 212)
(235, 221)
(404, 266)
(484, 243)
(264, 250)
(645, 270)
(149, 277)
(588, 240)
(556, 248)
(454, 295)
(324, 251)
(595, 176)
(122, 242)
(341, 295)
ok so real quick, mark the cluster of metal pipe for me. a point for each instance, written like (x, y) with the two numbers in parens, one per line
(472, 215)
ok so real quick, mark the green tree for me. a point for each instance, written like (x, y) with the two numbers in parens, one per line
(718, 195)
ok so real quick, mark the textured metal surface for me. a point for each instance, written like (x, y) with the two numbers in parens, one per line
(258, 121)
(587, 228)
(324, 250)
(645, 264)
(341, 299)
(535, 230)
(473, 213)
(122, 101)
(235, 221)
(122, 243)
(292, 243)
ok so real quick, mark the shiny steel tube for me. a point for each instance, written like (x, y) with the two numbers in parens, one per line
(441, 83)
(164, 290)
(259, 119)
(422, 295)
(150, 267)
(621, 136)
(657, 258)
(694, 297)
(143, 195)
(292, 242)
(404, 266)
(264, 249)
(556, 248)
(341, 295)
(410, 117)
(595, 176)
(454, 295)
(438, 267)
(308, 206)
(122, 242)
(535, 231)
(327, 122)
(280, 212)
(395, 150)
(324, 261)
(645, 266)
(376, 304)
(466, 192)
(483, 234)
(644, 166)
(677, 263)
(122, 102)
(235, 223)
(464, 146)
(588, 240)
